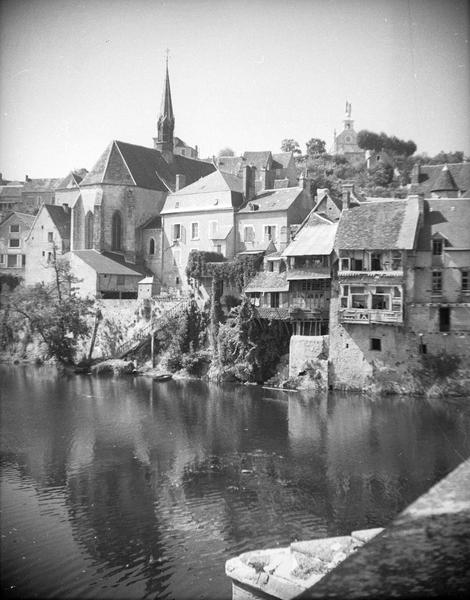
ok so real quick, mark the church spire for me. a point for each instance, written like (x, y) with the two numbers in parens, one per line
(166, 120)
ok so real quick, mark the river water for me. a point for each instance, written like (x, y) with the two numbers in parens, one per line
(127, 488)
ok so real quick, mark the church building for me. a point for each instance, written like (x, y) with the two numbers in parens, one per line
(345, 143)
(126, 189)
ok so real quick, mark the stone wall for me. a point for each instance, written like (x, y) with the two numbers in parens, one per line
(303, 349)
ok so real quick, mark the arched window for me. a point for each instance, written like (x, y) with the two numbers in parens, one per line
(116, 231)
(152, 246)
(89, 230)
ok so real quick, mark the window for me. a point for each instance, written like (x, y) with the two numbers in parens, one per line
(176, 232)
(396, 260)
(50, 236)
(375, 261)
(152, 246)
(116, 231)
(376, 344)
(345, 264)
(356, 264)
(14, 242)
(437, 282)
(437, 247)
(11, 261)
(218, 248)
(2, 259)
(194, 231)
(270, 266)
(465, 281)
(255, 298)
(270, 233)
(274, 299)
(213, 229)
(14, 228)
(49, 257)
(23, 260)
(89, 230)
(444, 318)
(248, 233)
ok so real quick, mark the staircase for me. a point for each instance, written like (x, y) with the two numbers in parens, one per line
(144, 334)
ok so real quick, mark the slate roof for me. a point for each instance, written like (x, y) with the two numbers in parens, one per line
(199, 196)
(281, 160)
(10, 191)
(127, 164)
(428, 175)
(258, 159)
(268, 281)
(72, 180)
(384, 224)
(103, 264)
(41, 185)
(444, 182)
(315, 239)
(60, 218)
(273, 200)
(449, 217)
(230, 164)
(25, 218)
(153, 223)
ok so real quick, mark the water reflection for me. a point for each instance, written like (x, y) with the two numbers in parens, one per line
(149, 487)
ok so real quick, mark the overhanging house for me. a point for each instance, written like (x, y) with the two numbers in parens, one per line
(376, 244)
(309, 270)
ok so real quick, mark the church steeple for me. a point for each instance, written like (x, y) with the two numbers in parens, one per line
(166, 121)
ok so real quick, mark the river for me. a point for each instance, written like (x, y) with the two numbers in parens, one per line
(127, 488)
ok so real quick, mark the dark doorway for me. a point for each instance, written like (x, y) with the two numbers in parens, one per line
(444, 318)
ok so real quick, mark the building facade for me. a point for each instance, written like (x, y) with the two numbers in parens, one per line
(14, 230)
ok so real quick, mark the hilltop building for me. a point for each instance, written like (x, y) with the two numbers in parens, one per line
(345, 142)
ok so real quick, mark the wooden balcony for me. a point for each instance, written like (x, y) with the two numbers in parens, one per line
(366, 316)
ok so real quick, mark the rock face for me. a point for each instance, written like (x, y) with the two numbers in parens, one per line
(287, 572)
(114, 366)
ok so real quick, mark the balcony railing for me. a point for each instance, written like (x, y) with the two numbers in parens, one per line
(366, 316)
(384, 273)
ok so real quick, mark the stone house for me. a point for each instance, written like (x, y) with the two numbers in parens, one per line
(295, 284)
(448, 181)
(103, 276)
(13, 232)
(48, 238)
(270, 215)
(376, 244)
(439, 309)
(36, 192)
(10, 199)
(272, 170)
(200, 216)
(182, 149)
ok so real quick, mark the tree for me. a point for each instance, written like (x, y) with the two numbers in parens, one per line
(368, 140)
(316, 146)
(226, 152)
(290, 145)
(54, 311)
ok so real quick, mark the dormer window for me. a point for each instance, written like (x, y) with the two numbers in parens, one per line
(437, 246)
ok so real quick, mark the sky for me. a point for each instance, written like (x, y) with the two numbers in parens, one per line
(245, 74)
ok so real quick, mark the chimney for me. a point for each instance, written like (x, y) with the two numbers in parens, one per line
(26, 178)
(347, 192)
(197, 151)
(264, 178)
(180, 181)
(249, 174)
